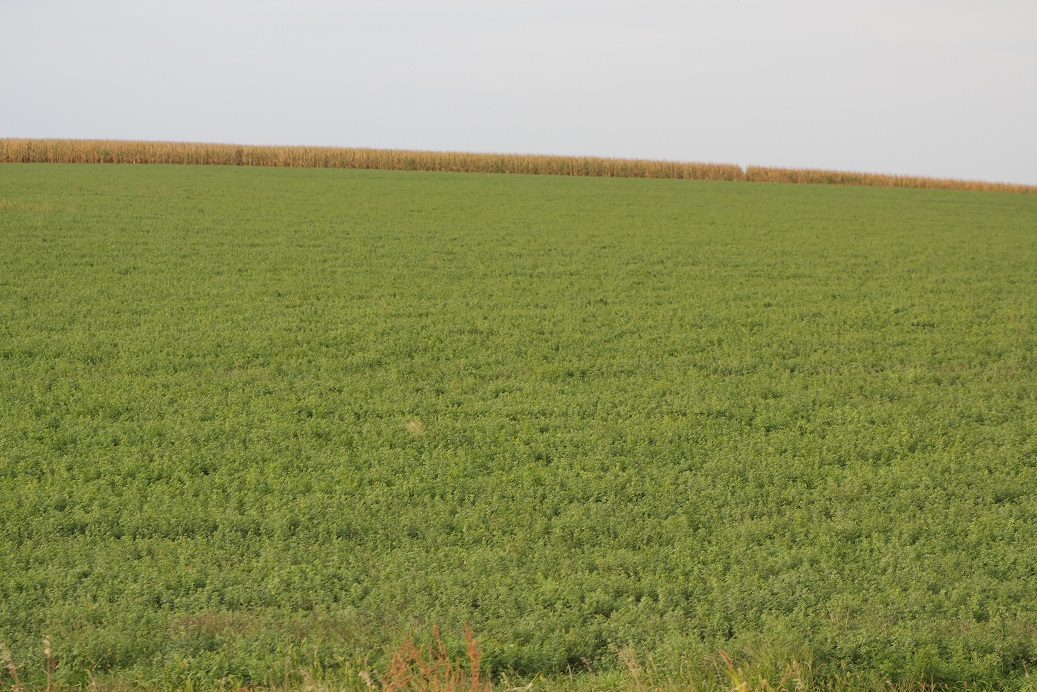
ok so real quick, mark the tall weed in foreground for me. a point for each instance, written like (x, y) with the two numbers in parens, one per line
(413, 667)
(8, 668)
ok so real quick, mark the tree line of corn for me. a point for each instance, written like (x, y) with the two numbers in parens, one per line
(118, 151)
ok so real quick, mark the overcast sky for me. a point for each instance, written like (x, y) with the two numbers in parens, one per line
(929, 87)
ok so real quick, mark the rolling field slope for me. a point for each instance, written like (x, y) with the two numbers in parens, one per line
(260, 422)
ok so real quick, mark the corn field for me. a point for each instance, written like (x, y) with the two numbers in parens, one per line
(117, 151)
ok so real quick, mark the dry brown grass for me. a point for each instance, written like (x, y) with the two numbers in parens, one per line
(416, 428)
(8, 667)
(413, 667)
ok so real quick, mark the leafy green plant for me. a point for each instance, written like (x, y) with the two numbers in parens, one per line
(258, 423)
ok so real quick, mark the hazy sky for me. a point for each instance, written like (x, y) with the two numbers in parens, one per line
(929, 87)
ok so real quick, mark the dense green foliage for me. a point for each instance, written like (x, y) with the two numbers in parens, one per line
(259, 419)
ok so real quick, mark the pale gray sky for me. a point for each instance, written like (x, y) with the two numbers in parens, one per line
(929, 87)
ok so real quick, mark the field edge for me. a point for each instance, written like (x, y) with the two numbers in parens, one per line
(23, 150)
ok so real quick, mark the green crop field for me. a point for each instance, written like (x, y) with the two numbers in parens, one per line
(260, 425)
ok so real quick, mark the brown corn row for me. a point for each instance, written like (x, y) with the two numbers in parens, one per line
(117, 151)
(103, 151)
(758, 174)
